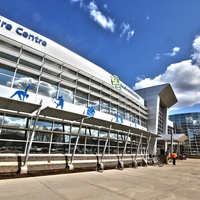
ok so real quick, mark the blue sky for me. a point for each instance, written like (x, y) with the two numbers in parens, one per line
(144, 42)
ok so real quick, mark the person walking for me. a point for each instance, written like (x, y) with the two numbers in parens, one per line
(174, 158)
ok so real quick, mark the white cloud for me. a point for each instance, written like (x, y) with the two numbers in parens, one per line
(196, 46)
(184, 78)
(77, 1)
(105, 22)
(130, 34)
(157, 57)
(175, 50)
(97, 16)
(106, 7)
(126, 30)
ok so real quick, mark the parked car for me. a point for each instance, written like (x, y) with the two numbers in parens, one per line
(182, 156)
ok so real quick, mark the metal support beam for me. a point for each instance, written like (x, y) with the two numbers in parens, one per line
(148, 145)
(100, 165)
(125, 145)
(135, 161)
(108, 136)
(145, 159)
(24, 168)
(70, 165)
(120, 161)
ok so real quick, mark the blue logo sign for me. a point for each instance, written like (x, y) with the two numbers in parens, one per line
(58, 101)
(21, 94)
(90, 111)
(135, 122)
(119, 119)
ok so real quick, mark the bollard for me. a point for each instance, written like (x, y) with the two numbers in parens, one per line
(23, 169)
(70, 167)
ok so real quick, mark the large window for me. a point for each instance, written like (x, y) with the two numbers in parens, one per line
(105, 106)
(81, 98)
(94, 102)
(67, 93)
(14, 121)
(113, 109)
(25, 81)
(12, 134)
(42, 125)
(47, 88)
(6, 74)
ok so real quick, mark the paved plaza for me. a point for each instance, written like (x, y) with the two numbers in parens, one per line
(180, 182)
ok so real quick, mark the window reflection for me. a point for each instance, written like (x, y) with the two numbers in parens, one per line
(45, 141)
(92, 132)
(105, 106)
(12, 147)
(113, 135)
(75, 129)
(66, 138)
(91, 140)
(41, 148)
(1, 119)
(94, 102)
(57, 148)
(103, 133)
(113, 109)
(91, 149)
(46, 88)
(23, 79)
(122, 137)
(42, 125)
(58, 127)
(81, 98)
(67, 93)
(67, 128)
(15, 121)
(40, 136)
(80, 149)
(12, 134)
(58, 138)
(6, 75)
(73, 139)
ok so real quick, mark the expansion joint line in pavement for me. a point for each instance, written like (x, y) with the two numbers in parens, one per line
(63, 197)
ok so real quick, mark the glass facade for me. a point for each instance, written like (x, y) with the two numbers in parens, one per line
(21, 68)
(56, 137)
(53, 79)
(188, 124)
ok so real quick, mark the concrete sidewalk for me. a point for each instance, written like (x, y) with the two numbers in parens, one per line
(180, 182)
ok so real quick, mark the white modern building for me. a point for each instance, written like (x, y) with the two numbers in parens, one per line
(59, 110)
